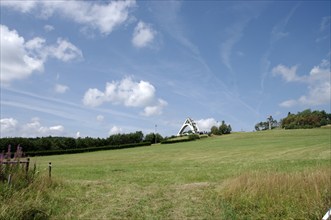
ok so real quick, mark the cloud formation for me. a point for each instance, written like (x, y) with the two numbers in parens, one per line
(100, 118)
(235, 33)
(10, 127)
(48, 28)
(155, 109)
(16, 61)
(128, 93)
(115, 130)
(318, 81)
(96, 15)
(206, 124)
(143, 35)
(61, 88)
(287, 73)
(20, 58)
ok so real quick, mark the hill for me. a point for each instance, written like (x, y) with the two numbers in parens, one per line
(278, 174)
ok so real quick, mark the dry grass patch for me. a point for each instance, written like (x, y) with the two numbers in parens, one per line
(299, 195)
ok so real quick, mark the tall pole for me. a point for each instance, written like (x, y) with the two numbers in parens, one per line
(270, 120)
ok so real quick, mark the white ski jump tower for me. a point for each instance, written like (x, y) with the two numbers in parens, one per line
(191, 124)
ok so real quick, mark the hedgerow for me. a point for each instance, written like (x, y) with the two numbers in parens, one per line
(82, 150)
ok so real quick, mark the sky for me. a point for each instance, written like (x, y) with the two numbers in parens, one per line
(97, 68)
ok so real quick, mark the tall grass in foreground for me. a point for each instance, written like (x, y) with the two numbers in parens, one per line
(20, 188)
(299, 195)
(31, 202)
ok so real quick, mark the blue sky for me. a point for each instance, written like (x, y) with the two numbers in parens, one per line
(95, 68)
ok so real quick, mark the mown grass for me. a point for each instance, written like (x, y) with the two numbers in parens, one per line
(263, 175)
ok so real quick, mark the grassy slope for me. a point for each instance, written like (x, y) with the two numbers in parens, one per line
(272, 174)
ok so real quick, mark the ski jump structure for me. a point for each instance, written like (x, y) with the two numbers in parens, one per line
(191, 124)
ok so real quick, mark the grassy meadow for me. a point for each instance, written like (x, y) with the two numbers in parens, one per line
(278, 174)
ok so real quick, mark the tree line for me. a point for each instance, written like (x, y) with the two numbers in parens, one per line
(301, 120)
(67, 143)
(306, 119)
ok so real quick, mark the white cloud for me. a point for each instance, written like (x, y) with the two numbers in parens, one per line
(61, 88)
(155, 109)
(100, 118)
(94, 98)
(143, 35)
(318, 80)
(288, 74)
(8, 126)
(56, 128)
(35, 44)
(115, 130)
(317, 95)
(288, 103)
(18, 5)
(206, 124)
(96, 15)
(11, 127)
(20, 58)
(77, 134)
(16, 60)
(35, 129)
(48, 28)
(128, 93)
(125, 92)
(64, 51)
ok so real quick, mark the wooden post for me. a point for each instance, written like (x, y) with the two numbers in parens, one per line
(34, 168)
(50, 169)
(9, 179)
(27, 166)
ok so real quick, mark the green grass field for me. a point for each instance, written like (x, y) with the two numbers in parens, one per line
(278, 174)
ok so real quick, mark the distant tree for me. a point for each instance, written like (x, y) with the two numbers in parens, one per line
(306, 119)
(214, 130)
(265, 125)
(229, 129)
(153, 138)
(80, 143)
(222, 129)
(69, 143)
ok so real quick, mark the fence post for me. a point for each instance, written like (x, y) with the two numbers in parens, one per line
(50, 169)
(27, 166)
(9, 179)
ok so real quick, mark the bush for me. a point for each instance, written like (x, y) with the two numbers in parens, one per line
(191, 137)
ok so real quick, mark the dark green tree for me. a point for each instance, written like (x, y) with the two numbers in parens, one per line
(214, 130)
(153, 138)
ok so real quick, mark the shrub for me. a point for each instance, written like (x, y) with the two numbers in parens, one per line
(191, 137)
